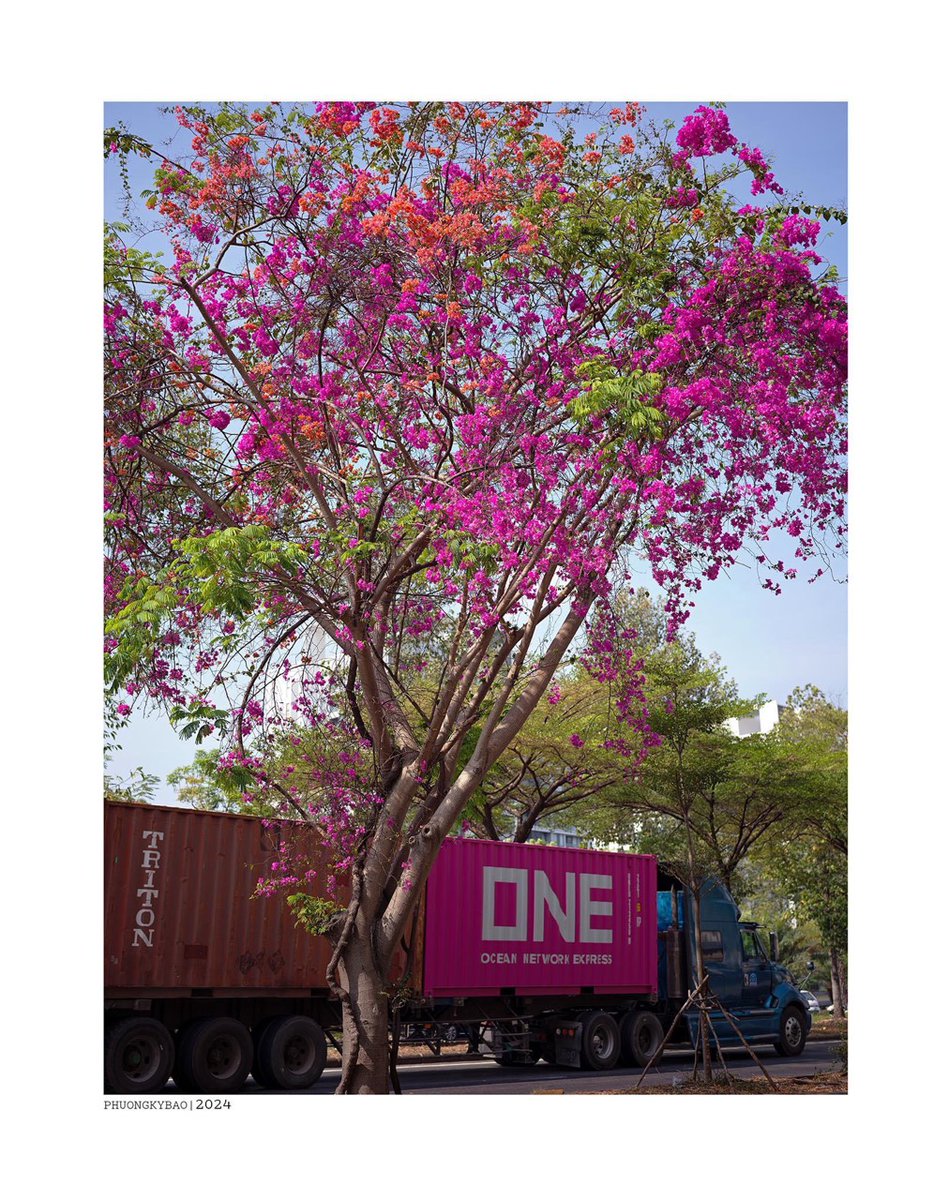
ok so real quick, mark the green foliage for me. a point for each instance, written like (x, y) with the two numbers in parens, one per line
(825, 212)
(815, 875)
(811, 859)
(138, 787)
(766, 813)
(205, 784)
(315, 914)
(136, 628)
(118, 140)
(624, 400)
(124, 266)
(198, 720)
(149, 603)
(806, 859)
(222, 568)
(222, 573)
(765, 898)
(704, 793)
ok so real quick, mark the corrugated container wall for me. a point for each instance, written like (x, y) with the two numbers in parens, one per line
(539, 920)
(178, 912)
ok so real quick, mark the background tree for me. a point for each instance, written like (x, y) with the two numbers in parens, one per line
(583, 745)
(205, 785)
(548, 768)
(769, 813)
(697, 786)
(691, 701)
(810, 859)
(429, 373)
(768, 900)
(709, 803)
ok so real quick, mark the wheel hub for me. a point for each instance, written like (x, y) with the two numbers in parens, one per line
(137, 1060)
(221, 1056)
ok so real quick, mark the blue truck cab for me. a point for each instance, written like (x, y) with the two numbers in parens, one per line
(744, 977)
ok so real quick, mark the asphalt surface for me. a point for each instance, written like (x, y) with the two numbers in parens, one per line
(478, 1076)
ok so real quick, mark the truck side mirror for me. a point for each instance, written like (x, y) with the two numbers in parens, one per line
(773, 941)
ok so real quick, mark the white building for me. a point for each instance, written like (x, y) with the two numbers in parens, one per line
(311, 659)
(762, 721)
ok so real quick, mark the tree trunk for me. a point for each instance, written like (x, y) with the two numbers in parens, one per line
(695, 891)
(365, 1022)
(838, 981)
(699, 959)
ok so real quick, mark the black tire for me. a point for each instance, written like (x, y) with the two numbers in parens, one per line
(599, 1042)
(139, 1054)
(792, 1032)
(640, 1036)
(215, 1055)
(291, 1053)
(257, 1070)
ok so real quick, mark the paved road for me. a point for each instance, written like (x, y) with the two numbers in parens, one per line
(478, 1076)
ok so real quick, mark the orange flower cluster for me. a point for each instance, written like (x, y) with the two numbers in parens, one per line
(552, 152)
(625, 116)
(464, 192)
(311, 202)
(313, 430)
(385, 125)
(360, 190)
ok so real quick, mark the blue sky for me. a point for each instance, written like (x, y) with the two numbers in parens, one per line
(769, 644)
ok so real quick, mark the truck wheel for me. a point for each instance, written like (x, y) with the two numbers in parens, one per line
(640, 1036)
(599, 1042)
(291, 1053)
(139, 1052)
(257, 1034)
(214, 1055)
(791, 1032)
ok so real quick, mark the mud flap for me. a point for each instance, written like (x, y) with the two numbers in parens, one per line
(567, 1043)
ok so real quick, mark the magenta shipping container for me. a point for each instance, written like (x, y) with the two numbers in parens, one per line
(539, 920)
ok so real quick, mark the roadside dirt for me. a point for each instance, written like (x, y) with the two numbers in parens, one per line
(828, 1027)
(831, 1084)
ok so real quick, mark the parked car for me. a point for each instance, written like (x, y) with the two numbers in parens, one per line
(811, 999)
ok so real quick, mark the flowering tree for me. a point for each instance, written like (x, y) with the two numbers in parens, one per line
(412, 382)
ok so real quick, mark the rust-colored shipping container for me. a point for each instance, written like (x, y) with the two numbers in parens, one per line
(179, 920)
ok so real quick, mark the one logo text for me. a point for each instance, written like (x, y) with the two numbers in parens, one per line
(528, 915)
